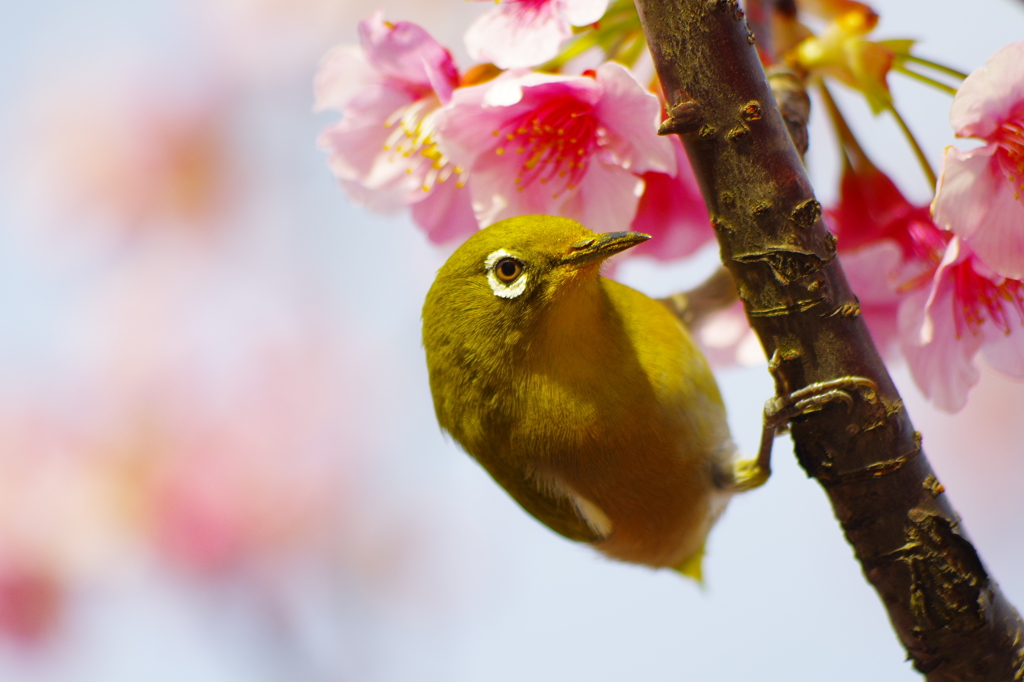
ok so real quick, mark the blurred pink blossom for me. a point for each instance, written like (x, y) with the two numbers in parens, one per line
(725, 338)
(233, 405)
(522, 33)
(874, 272)
(979, 194)
(135, 159)
(572, 146)
(220, 425)
(385, 151)
(888, 246)
(672, 211)
(31, 601)
(255, 478)
(265, 40)
(969, 308)
(60, 514)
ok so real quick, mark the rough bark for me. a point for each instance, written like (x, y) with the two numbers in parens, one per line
(947, 610)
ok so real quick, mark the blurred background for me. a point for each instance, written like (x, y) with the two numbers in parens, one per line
(218, 455)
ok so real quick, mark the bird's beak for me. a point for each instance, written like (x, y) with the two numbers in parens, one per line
(600, 246)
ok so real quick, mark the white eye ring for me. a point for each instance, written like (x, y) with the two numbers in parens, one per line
(499, 288)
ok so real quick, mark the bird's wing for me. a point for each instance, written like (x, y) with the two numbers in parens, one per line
(546, 503)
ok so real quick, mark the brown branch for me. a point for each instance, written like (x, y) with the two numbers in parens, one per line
(693, 307)
(759, 19)
(793, 103)
(946, 609)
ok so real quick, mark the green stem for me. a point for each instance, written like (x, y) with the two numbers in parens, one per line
(918, 152)
(925, 79)
(631, 54)
(937, 67)
(847, 140)
(577, 46)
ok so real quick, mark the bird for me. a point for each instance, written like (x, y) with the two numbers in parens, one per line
(586, 400)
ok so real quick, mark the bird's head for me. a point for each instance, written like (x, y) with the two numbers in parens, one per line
(516, 267)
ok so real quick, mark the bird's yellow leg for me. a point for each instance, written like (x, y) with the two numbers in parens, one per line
(748, 474)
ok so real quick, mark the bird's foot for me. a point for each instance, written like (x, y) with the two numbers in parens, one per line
(748, 474)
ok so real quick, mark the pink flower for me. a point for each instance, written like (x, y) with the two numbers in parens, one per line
(969, 308)
(672, 211)
(519, 33)
(979, 194)
(871, 208)
(726, 338)
(924, 288)
(384, 150)
(888, 246)
(31, 601)
(137, 162)
(571, 146)
(874, 273)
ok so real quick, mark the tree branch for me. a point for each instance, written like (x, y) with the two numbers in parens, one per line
(946, 609)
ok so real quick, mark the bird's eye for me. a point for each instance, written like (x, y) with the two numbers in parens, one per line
(508, 269)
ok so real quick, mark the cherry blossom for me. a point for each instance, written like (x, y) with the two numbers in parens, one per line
(922, 288)
(672, 211)
(384, 150)
(969, 308)
(726, 338)
(139, 162)
(31, 601)
(873, 272)
(888, 246)
(979, 195)
(520, 33)
(572, 146)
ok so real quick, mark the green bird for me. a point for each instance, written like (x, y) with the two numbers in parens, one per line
(586, 400)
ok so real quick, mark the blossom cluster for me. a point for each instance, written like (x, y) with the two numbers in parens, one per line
(537, 130)
(466, 150)
(951, 284)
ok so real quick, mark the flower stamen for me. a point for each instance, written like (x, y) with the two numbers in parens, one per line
(1011, 142)
(980, 299)
(414, 127)
(557, 139)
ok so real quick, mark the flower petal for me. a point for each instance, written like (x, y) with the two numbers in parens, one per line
(446, 213)
(583, 12)
(343, 71)
(942, 367)
(975, 201)
(605, 200)
(577, 175)
(466, 129)
(406, 53)
(726, 338)
(632, 113)
(512, 38)
(990, 95)
(357, 153)
(672, 211)
(873, 272)
(1005, 352)
(355, 142)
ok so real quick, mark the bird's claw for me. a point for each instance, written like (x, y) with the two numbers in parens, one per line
(779, 410)
(747, 474)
